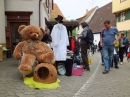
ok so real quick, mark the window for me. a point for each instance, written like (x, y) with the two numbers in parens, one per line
(122, 0)
(122, 16)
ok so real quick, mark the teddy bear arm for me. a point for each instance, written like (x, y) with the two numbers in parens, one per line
(49, 58)
(17, 51)
(46, 58)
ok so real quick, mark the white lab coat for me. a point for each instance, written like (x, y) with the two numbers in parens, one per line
(60, 42)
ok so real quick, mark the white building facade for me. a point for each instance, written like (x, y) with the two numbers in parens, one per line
(2, 22)
(96, 38)
(14, 13)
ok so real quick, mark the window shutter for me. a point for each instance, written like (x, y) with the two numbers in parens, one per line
(123, 16)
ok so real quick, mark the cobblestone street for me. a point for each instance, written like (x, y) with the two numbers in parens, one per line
(91, 84)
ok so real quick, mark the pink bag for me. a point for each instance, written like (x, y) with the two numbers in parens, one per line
(77, 70)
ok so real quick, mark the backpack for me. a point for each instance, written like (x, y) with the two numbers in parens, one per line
(89, 38)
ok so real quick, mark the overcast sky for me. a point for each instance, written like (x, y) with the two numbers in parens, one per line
(73, 9)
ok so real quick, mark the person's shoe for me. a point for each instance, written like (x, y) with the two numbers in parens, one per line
(68, 74)
(105, 72)
(116, 67)
(121, 63)
(87, 69)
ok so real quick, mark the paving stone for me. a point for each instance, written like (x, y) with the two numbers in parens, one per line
(20, 95)
(28, 92)
(114, 84)
(10, 93)
(13, 96)
(2, 95)
(2, 91)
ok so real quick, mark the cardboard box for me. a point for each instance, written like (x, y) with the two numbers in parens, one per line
(1, 53)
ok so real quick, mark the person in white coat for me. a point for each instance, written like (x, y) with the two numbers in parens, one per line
(60, 40)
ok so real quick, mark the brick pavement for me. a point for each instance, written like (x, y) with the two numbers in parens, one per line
(114, 84)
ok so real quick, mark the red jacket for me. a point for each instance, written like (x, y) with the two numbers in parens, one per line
(73, 44)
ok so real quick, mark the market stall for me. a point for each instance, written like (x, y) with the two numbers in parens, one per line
(65, 67)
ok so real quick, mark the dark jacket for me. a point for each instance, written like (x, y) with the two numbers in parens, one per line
(47, 38)
(83, 36)
(125, 42)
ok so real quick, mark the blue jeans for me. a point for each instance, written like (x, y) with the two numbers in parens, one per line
(101, 51)
(108, 52)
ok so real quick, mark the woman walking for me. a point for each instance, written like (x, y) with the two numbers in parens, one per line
(123, 43)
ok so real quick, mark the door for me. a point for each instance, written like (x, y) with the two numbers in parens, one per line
(15, 36)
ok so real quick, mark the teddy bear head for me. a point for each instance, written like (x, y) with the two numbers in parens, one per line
(31, 32)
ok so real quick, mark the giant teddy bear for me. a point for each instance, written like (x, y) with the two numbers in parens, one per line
(32, 49)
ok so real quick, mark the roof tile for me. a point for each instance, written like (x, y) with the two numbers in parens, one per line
(87, 14)
(56, 11)
(104, 13)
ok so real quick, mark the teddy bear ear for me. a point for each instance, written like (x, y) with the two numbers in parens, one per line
(43, 31)
(21, 28)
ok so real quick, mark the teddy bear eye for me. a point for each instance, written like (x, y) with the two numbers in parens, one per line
(30, 32)
(37, 32)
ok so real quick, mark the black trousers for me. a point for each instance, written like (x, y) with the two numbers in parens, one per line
(121, 53)
(93, 50)
(126, 51)
(76, 52)
(84, 55)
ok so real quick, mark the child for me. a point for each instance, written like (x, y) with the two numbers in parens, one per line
(116, 56)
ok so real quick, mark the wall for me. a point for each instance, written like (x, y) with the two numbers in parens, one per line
(125, 25)
(129, 35)
(28, 5)
(96, 38)
(80, 29)
(117, 6)
(2, 22)
(44, 12)
(24, 5)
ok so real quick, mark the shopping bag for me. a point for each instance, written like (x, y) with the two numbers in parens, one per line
(77, 70)
(89, 60)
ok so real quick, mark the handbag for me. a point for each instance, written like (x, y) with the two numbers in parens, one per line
(77, 70)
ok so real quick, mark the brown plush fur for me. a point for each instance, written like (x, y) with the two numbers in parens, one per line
(41, 51)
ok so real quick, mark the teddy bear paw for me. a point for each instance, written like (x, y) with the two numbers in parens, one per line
(25, 69)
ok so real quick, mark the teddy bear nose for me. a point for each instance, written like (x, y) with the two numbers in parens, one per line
(37, 35)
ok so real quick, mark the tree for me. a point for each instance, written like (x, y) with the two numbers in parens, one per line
(74, 32)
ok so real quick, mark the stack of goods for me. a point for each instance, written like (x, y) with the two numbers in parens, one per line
(70, 54)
